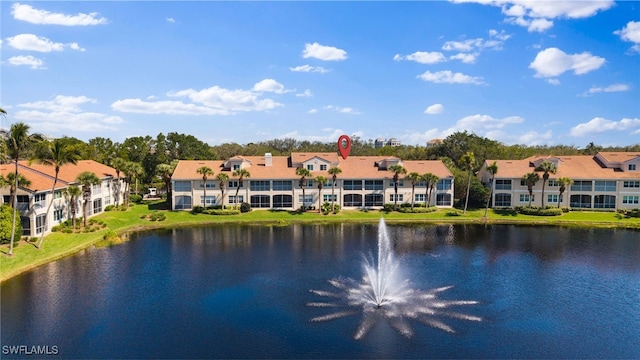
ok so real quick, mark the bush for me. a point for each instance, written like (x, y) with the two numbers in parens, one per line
(418, 210)
(548, 211)
(222, 212)
(197, 209)
(109, 207)
(387, 207)
(6, 217)
(245, 207)
(326, 208)
(135, 198)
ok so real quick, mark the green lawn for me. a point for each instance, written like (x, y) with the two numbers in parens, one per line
(58, 245)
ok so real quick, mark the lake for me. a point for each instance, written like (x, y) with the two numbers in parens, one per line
(237, 291)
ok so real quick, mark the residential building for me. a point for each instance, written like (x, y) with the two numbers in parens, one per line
(608, 180)
(365, 182)
(380, 142)
(33, 200)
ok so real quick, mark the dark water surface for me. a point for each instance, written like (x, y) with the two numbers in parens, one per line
(241, 292)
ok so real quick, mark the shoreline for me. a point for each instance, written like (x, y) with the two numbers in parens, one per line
(58, 245)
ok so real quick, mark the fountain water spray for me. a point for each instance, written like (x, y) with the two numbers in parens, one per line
(382, 295)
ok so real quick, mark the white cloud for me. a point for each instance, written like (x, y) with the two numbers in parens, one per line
(446, 76)
(598, 125)
(631, 33)
(553, 81)
(306, 93)
(312, 111)
(422, 57)
(32, 42)
(164, 107)
(553, 62)
(610, 88)
(327, 135)
(309, 68)
(486, 122)
(465, 58)
(64, 113)
(44, 17)
(321, 52)
(171, 20)
(270, 85)
(28, 60)
(343, 110)
(434, 109)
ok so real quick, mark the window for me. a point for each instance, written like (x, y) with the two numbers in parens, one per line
(260, 201)
(444, 184)
(96, 189)
(182, 186)
(310, 167)
(210, 184)
(282, 201)
(373, 185)
(580, 201)
(58, 214)
(631, 199)
(503, 184)
(232, 199)
(327, 197)
(97, 206)
(374, 200)
(236, 167)
(419, 198)
(259, 185)
(392, 197)
(323, 167)
(281, 185)
(307, 201)
(352, 184)
(421, 184)
(352, 200)
(502, 200)
(631, 184)
(554, 183)
(107, 200)
(605, 186)
(309, 183)
(525, 198)
(26, 225)
(57, 194)
(208, 201)
(234, 184)
(552, 198)
(581, 186)
(39, 198)
(41, 223)
(400, 183)
(183, 202)
(443, 199)
(604, 202)
(632, 167)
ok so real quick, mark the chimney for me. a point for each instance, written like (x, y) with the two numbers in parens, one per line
(268, 159)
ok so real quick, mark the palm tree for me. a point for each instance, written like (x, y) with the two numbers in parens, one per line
(430, 181)
(205, 171)
(87, 179)
(119, 164)
(531, 179)
(493, 170)
(563, 182)
(397, 171)
(546, 167)
(71, 194)
(133, 170)
(57, 154)
(334, 171)
(468, 162)
(303, 173)
(320, 180)
(164, 171)
(16, 140)
(414, 177)
(222, 178)
(23, 182)
(240, 174)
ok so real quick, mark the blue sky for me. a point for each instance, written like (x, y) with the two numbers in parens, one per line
(517, 71)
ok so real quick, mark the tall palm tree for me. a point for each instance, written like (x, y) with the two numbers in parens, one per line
(55, 153)
(119, 164)
(531, 179)
(17, 140)
(397, 171)
(493, 170)
(546, 167)
(133, 170)
(563, 182)
(71, 194)
(468, 162)
(334, 172)
(414, 177)
(87, 179)
(303, 173)
(320, 180)
(430, 181)
(205, 171)
(222, 178)
(240, 174)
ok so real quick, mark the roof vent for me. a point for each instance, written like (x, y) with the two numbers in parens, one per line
(268, 159)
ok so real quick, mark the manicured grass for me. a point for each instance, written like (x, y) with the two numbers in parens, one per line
(58, 245)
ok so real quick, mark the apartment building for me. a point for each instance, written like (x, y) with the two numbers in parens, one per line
(608, 180)
(34, 199)
(365, 182)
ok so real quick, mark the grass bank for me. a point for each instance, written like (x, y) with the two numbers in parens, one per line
(58, 245)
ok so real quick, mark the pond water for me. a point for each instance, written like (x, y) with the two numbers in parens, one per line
(243, 292)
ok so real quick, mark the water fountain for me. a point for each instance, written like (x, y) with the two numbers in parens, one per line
(383, 295)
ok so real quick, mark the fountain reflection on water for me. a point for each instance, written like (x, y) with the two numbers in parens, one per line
(383, 295)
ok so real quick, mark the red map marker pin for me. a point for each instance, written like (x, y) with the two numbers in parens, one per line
(344, 146)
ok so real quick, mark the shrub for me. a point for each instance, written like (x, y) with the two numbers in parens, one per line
(109, 208)
(222, 212)
(245, 207)
(6, 215)
(197, 209)
(135, 198)
(387, 207)
(548, 211)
